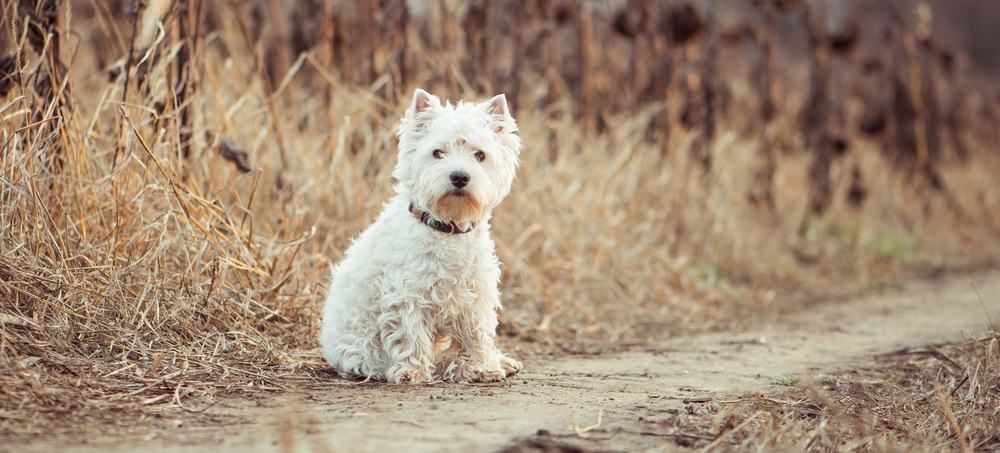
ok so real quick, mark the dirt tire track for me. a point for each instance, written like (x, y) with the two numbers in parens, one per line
(552, 394)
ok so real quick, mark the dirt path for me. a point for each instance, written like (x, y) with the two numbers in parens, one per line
(632, 390)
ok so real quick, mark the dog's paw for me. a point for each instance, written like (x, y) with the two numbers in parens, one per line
(490, 376)
(405, 375)
(467, 371)
(510, 366)
(482, 375)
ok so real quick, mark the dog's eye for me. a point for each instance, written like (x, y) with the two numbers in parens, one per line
(480, 156)
(438, 154)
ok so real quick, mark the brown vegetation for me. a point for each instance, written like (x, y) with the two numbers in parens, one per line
(936, 398)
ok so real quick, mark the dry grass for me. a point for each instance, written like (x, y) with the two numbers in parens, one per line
(135, 281)
(937, 398)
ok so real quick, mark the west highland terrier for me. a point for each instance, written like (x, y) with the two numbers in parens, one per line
(416, 297)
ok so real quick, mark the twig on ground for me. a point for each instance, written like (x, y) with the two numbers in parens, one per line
(581, 432)
(723, 435)
(989, 319)
(956, 429)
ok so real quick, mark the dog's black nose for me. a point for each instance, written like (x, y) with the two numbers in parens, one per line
(459, 179)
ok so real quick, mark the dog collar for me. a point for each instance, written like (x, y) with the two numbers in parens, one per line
(446, 228)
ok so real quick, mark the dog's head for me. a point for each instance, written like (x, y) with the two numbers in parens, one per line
(457, 161)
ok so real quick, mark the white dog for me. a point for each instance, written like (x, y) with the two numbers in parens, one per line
(416, 297)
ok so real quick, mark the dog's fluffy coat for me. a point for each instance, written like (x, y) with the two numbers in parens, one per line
(409, 303)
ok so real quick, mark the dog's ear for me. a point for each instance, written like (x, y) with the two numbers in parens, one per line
(422, 109)
(423, 100)
(502, 122)
(498, 106)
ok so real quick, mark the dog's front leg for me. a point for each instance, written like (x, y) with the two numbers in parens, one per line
(475, 332)
(407, 339)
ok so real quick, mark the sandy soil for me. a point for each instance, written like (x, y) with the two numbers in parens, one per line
(635, 393)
